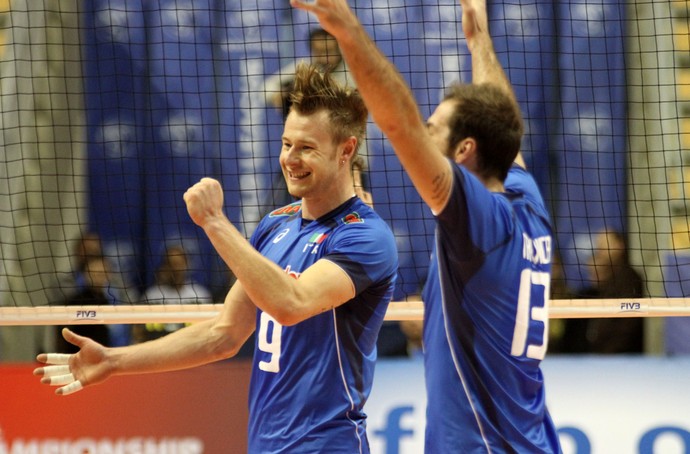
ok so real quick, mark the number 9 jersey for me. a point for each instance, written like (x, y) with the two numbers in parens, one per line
(310, 381)
(486, 320)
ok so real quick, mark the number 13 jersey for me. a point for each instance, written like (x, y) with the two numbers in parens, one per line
(486, 320)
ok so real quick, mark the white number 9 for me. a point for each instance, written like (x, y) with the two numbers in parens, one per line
(271, 345)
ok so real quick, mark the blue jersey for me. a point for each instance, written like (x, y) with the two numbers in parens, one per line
(486, 320)
(310, 381)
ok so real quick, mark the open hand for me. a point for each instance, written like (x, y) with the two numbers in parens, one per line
(335, 16)
(72, 372)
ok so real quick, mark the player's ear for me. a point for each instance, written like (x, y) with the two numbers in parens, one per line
(464, 150)
(348, 149)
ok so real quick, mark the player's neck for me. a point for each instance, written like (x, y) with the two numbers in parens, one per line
(313, 207)
(493, 184)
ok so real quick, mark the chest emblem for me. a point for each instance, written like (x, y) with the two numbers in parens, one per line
(313, 243)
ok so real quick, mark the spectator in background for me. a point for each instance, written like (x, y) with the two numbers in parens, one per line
(95, 276)
(173, 285)
(359, 177)
(412, 329)
(612, 277)
(325, 55)
(559, 291)
(90, 246)
(392, 341)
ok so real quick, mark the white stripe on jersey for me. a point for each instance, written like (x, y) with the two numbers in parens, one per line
(342, 374)
(452, 350)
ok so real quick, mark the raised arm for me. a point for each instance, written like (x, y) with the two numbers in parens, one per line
(485, 65)
(321, 287)
(194, 345)
(388, 98)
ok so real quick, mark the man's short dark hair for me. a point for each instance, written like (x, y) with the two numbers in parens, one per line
(493, 119)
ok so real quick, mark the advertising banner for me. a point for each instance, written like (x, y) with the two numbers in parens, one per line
(600, 405)
(201, 410)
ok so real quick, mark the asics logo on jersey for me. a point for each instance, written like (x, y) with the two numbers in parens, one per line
(538, 250)
(281, 235)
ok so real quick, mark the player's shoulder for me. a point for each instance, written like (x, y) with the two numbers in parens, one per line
(286, 211)
(280, 216)
(360, 223)
(359, 215)
(275, 220)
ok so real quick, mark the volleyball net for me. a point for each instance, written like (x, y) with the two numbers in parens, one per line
(111, 109)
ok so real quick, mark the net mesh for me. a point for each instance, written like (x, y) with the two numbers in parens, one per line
(112, 108)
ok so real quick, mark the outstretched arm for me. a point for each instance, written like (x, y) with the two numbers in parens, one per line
(323, 286)
(194, 345)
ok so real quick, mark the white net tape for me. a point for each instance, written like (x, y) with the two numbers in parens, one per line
(407, 310)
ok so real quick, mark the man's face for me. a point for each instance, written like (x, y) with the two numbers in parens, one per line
(438, 128)
(97, 273)
(325, 52)
(608, 251)
(178, 268)
(309, 157)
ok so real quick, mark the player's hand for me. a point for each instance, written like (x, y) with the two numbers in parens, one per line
(335, 16)
(204, 201)
(475, 21)
(72, 372)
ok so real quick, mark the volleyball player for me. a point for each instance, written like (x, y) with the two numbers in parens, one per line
(321, 273)
(486, 292)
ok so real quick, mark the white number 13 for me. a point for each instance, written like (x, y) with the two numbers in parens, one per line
(530, 281)
(271, 345)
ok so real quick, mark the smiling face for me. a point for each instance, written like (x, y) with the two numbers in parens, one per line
(312, 163)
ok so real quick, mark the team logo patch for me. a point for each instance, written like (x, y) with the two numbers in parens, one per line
(352, 218)
(287, 210)
(317, 238)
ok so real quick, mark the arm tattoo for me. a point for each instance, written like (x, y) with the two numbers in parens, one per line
(440, 185)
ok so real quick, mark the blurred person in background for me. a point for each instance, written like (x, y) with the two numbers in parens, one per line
(95, 274)
(173, 285)
(611, 276)
(324, 54)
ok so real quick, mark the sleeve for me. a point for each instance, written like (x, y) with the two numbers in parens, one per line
(366, 252)
(475, 220)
